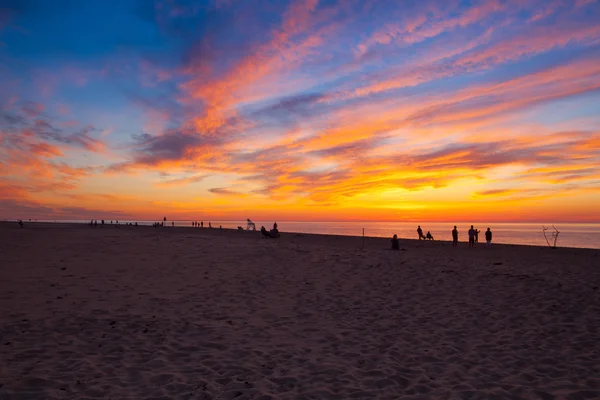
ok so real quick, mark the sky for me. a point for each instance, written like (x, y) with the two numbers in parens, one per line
(305, 110)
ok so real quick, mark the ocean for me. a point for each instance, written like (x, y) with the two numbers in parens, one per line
(571, 235)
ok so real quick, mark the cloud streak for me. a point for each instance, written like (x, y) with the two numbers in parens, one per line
(323, 108)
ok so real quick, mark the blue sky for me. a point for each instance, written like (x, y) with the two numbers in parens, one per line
(300, 109)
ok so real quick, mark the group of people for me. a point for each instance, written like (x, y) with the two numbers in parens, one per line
(429, 236)
(273, 233)
(200, 224)
(473, 237)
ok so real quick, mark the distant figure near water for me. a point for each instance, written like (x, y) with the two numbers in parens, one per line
(488, 237)
(477, 235)
(471, 237)
(201, 224)
(395, 243)
(250, 224)
(420, 233)
(209, 225)
(454, 237)
(274, 233)
(429, 236)
(21, 223)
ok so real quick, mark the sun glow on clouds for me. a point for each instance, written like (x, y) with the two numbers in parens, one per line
(303, 109)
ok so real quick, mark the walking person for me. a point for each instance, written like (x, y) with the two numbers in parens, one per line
(488, 237)
(454, 237)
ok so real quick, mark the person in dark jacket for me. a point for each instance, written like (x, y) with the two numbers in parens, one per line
(488, 237)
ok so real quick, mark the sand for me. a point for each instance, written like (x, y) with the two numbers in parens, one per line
(181, 313)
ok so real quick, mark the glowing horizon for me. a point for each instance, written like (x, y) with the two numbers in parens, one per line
(304, 110)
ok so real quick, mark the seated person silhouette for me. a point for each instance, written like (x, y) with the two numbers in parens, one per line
(429, 236)
(274, 233)
(395, 243)
(250, 225)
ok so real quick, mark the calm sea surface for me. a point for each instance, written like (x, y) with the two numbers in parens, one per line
(571, 235)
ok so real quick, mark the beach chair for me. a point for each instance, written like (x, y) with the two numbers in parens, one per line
(250, 225)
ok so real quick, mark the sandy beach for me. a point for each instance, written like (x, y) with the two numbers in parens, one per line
(181, 313)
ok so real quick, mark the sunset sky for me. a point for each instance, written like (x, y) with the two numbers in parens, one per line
(300, 110)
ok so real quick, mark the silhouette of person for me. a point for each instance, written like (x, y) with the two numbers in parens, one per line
(275, 226)
(477, 235)
(201, 224)
(429, 236)
(395, 243)
(21, 223)
(420, 232)
(102, 222)
(209, 225)
(454, 237)
(471, 237)
(172, 223)
(488, 237)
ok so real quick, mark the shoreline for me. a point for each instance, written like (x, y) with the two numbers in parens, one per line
(228, 231)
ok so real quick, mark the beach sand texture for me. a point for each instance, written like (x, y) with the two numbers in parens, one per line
(218, 314)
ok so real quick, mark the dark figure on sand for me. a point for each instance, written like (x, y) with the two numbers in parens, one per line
(429, 236)
(420, 233)
(488, 237)
(21, 223)
(275, 226)
(209, 225)
(471, 237)
(395, 243)
(201, 224)
(454, 237)
(274, 233)
(477, 235)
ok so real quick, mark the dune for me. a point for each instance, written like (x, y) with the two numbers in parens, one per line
(181, 313)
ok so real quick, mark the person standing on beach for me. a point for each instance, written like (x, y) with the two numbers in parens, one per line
(454, 237)
(471, 237)
(420, 232)
(488, 237)
(477, 235)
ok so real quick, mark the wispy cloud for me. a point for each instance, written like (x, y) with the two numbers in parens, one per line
(307, 104)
